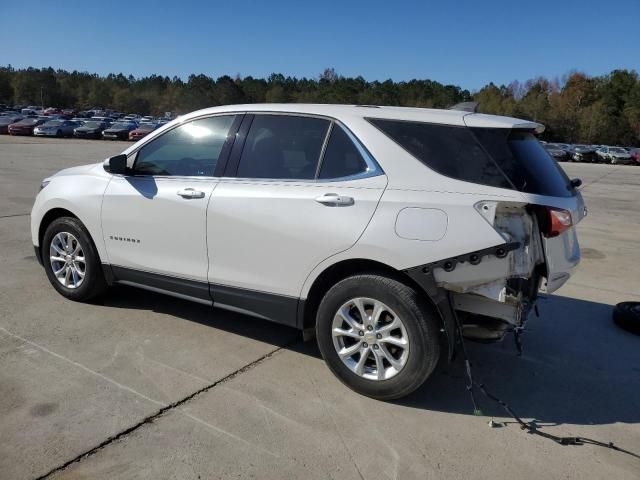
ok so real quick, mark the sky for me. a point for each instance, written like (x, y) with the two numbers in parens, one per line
(465, 43)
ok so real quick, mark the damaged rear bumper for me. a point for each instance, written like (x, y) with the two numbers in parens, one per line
(498, 286)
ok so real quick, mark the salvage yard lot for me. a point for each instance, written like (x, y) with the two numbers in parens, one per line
(155, 387)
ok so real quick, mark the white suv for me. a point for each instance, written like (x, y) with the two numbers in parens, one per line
(385, 231)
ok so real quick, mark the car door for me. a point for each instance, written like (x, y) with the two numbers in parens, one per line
(297, 190)
(154, 219)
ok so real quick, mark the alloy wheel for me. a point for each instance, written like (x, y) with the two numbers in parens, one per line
(67, 260)
(370, 339)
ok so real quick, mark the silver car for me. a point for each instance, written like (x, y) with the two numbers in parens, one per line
(56, 128)
(614, 155)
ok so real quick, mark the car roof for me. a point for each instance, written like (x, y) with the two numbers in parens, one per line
(427, 115)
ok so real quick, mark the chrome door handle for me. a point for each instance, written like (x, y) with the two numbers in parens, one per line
(190, 193)
(335, 200)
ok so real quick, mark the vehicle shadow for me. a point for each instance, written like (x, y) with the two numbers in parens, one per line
(577, 368)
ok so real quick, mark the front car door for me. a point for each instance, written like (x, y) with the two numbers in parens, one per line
(154, 219)
(297, 190)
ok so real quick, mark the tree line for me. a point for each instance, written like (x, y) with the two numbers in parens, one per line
(577, 108)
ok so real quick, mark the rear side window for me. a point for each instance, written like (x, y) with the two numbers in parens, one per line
(283, 147)
(451, 151)
(191, 149)
(497, 157)
(341, 157)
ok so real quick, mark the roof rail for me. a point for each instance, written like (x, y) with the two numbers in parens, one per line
(465, 107)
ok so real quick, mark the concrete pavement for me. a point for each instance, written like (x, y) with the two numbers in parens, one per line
(146, 386)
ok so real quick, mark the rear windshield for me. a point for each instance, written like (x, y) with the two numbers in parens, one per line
(498, 157)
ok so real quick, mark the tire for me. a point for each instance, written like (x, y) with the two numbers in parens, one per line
(59, 134)
(420, 327)
(93, 283)
(627, 316)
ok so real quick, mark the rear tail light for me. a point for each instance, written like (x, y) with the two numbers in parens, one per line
(558, 221)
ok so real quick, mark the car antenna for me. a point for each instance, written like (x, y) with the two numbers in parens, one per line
(471, 107)
(528, 427)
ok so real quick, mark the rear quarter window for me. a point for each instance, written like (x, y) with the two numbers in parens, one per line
(498, 157)
(449, 150)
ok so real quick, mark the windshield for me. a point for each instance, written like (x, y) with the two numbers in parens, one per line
(147, 126)
(92, 124)
(121, 125)
(617, 150)
(28, 121)
(52, 123)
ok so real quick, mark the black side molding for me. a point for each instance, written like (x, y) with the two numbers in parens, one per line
(189, 288)
(38, 253)
(276, 308)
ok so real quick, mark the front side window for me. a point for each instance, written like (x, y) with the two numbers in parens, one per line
(283, 147)
(192, 149)
(341, 157)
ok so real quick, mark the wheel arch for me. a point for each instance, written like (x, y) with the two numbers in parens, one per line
(58, 212)
(338, 271)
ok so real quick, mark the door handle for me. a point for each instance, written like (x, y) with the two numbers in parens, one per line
(190, 193)
(335, 200)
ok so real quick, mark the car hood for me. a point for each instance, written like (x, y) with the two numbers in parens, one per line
(87, 129)
(116, 130)
(81, 170)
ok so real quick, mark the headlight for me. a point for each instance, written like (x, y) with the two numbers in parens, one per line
(44, 183)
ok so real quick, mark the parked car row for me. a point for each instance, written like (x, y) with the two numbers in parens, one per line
(130, 127)
(564, 152)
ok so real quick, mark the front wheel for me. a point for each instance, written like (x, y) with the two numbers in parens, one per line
(71, 261)
(378, 336)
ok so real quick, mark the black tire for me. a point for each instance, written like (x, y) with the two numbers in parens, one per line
(627, 316)
(94, 283)
(421, 322)
(59, 134)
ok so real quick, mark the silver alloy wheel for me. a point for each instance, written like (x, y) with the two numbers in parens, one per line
(67, 260)
(370, 339)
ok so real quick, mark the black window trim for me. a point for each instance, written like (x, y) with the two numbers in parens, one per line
(373, 167)
(222, 159)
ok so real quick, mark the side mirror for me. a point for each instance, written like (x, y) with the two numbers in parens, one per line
(576, 182)
(116, 164)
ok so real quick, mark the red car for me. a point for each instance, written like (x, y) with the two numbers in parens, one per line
(26, 126)
(635, 154)
(51, 111)
(6, 121)
(143, 130)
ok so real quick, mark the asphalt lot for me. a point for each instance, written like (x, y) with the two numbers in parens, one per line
(146, 386)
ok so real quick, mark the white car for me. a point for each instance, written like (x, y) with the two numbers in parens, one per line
(385, 231)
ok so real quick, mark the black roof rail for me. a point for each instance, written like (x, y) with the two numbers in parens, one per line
(465, 107)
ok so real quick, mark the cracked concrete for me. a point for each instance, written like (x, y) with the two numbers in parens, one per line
(146, 386)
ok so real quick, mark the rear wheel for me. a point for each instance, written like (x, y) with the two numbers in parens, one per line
(71, 261)
(378, 336)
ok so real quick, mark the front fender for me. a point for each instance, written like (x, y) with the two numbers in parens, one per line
(79, 195)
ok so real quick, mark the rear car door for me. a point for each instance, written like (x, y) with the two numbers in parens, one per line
(298, 190)
(154, 219)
